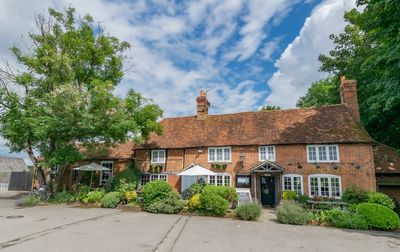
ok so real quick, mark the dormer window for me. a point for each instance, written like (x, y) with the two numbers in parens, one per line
(158, 156)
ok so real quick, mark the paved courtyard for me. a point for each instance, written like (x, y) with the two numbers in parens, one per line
(65, 228)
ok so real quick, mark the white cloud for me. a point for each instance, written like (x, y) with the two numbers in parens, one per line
(270, 48)
(298, 65)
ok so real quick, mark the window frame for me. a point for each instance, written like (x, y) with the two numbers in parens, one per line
(111, 172)
(292, 182)
(151, 177)
(215, 150)
(158, 156)
(330, 177)
(266, 153)
(326, 146)
(223, 179)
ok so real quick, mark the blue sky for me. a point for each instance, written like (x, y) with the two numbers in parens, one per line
(253, 52)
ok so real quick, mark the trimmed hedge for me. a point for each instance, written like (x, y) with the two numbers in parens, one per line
(248, 211)
(378, 216)
(226, 192)
(154, 191)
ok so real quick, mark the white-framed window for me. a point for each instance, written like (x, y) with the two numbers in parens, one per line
(104, 175)
(323, 153)
(326, 185)
(293, 182)
(158, 156)
(221, 179)
(146, 178)
(266, 153)
(219, 154)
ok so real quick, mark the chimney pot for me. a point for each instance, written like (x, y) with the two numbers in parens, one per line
(348, 95)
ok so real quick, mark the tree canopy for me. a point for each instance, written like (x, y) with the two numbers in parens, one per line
(321, 93)
(270, 107)
(63, 99)
(369, 51)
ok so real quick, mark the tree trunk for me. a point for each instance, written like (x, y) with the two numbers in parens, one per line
(38, 169)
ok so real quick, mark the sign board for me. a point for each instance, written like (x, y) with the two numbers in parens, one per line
(244, 195)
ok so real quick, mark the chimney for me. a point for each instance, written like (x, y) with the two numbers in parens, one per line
(202, 105)
(348, 95)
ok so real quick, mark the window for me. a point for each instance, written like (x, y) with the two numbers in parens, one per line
(222, 154)
(243, 181)
(75, 174)
(325, 185)
(293, 182)
(55, 169)
(158, 156)
(221, 179)
(323, 153)
(266, 153)
(146, 178)
(106, 174)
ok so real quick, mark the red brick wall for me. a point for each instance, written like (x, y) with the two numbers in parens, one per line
(286, 157)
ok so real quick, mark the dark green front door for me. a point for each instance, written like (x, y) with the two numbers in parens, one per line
(267, 190)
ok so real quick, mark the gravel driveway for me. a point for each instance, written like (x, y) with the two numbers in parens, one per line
(65, 228)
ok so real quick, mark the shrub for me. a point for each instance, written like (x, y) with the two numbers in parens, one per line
(354, 195)
(302, 199)
(62, 197)
(111, 200)
(290, 212)
(213, 204)
(130, 175)
(194, 202)
(80, 191)
(28, 201)
(155, 190)
(378, 216)
(94, 197)
(196, 188)
(249, 211)
(171, 204)
(351, 220)
(127, 190)
(381, 198)
(289, 195)
(225, 192)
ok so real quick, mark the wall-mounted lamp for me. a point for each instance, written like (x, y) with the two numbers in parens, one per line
(298, 165)
(357, 165)
(199, 151)
(242, 157)
(317, 165)
(334, 166)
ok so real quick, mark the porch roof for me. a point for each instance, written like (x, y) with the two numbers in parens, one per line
(267, 166)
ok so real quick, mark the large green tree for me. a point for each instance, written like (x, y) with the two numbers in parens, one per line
(369, 51)
(322, 92)
(62, 100)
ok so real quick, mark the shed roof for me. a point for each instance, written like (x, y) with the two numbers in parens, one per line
(386, 159)
(8, 164)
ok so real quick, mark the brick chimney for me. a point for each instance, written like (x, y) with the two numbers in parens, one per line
(348, 95)
(202, 105)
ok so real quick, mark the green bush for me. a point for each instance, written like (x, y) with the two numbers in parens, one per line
(194, 202)
(289, 195)
(154, 191)
(171, 204)
(111, 200)
(213, 204)
(351, 220)
(381, 198)
(225, 192)
(302, 199)
(62, 197)
(248, 211)
(290, 212)
(126, 189)
(379, 216)
(94, 196)
(80, 192)
(353, 195)
(28, 201)
(196, 188)
(130, 175)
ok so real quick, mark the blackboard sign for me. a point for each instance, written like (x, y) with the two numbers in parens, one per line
(244, 195)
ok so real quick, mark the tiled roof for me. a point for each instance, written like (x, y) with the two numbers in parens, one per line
(386, 159)
(331, 124)
(119, 151)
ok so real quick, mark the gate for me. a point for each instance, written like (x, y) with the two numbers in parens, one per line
(20, 181)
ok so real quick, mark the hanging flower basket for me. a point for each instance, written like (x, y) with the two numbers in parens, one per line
(220, 166)
(157, 168)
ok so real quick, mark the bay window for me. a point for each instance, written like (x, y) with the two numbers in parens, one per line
(221, 179)
(325, 185)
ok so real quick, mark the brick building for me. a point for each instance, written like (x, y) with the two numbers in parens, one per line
(316, 151)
